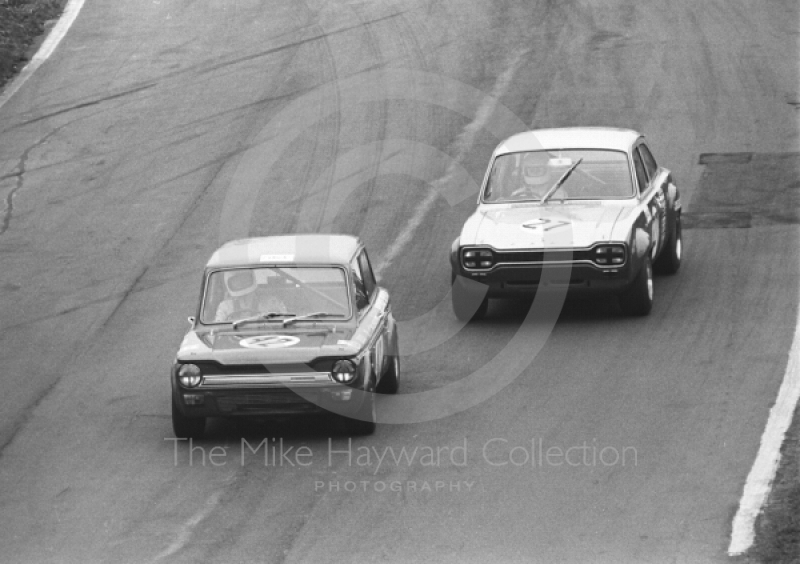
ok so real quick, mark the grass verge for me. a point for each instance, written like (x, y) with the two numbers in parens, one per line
(778, 527)
(22, 22)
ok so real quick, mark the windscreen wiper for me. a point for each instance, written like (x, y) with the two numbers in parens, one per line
(260, 317)
(561, 181)
(315, 315)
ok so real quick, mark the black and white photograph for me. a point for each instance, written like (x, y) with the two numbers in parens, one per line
(399, 281)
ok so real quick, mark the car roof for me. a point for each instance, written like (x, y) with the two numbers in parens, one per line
(570, 138)
(287, 249)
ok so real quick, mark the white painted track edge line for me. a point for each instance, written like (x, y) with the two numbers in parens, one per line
(65, 21)
(759, 480)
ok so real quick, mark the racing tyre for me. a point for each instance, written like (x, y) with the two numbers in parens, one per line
(670, 259)
(367, 423)
(390, 383)
(187, 427)
(470, 299)
(638, 298)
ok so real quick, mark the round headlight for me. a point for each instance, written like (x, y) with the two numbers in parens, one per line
(344, 371)
(189, 375)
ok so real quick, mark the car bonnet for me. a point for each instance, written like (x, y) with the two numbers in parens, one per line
(270, 345)
(553, 225)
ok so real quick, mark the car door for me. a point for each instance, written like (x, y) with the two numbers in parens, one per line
(652, 189)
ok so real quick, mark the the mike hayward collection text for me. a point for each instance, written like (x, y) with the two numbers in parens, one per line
(496, 452)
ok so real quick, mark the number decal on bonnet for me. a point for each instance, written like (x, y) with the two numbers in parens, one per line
(269, 342)
(540, 223)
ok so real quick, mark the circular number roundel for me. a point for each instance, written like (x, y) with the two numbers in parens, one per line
(269, 342)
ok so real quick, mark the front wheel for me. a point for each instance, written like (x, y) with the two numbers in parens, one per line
(470, 299)
(187, 427)
(670, 259)
(638, 298)
(390, 383)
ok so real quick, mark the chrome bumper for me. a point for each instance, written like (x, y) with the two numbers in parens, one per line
(292, 380)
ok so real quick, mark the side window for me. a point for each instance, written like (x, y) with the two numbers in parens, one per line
(362, 298)
(369, 276)
(649, 162)
(641, 176)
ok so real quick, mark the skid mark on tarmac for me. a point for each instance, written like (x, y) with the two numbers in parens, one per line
(90, 103)
(464, 144)
(297, 43)
(185, 533)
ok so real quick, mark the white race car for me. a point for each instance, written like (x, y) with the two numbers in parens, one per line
(584, 210)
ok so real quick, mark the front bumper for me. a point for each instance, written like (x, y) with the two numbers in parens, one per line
(243, 395)
(575, 278)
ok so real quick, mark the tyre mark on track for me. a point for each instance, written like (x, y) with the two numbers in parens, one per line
(374, 50)
(317, 37)
(322, 149)
(185, 534)
(463, 144)
(87, 104)
(415, 55)
(199, 69)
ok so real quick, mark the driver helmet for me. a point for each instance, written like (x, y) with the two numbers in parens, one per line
(240, 282)
(535, 168)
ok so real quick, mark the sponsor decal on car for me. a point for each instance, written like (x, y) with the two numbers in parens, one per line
(276, 258)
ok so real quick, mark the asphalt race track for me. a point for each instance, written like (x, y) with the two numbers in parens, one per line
(159, 129)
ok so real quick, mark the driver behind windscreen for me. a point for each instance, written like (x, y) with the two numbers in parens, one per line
(537, 176)
(243, 298)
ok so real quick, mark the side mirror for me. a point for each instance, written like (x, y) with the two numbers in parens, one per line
(190, 319)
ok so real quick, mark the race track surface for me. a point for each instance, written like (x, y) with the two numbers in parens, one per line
(158, 130)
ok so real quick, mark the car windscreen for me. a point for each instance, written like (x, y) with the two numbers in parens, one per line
(236, 293)
(528, 176)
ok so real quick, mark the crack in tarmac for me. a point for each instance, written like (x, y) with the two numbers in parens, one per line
(19, 175)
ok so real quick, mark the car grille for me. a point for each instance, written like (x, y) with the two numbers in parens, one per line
(244, 402)
(533, 257)
(210, 368)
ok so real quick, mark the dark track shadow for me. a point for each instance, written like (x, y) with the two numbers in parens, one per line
(576, 309)
(300, 427)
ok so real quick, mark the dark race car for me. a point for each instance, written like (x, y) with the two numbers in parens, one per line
(285, 326)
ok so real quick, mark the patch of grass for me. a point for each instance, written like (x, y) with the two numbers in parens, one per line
(778, 527)
(21, 24)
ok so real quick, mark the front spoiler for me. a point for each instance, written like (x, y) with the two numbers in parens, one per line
(232, 401)
(579, 278)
